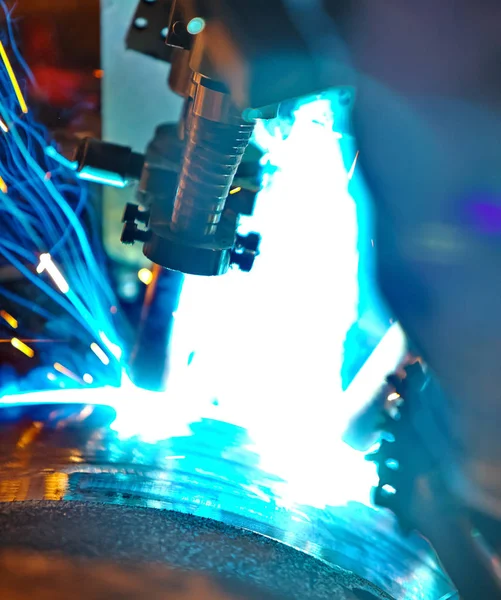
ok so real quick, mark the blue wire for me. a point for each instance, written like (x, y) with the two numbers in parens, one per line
(27, 304)
(13, 45)
(51, 213)
(17, 249)
(78, 211)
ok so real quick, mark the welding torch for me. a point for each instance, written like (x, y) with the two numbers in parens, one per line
(194, 180)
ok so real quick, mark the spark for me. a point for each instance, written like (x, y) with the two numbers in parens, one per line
(145, 276)
(100, 353)
(29, 434)
(3, 186)
(98, 73)
(352, 169)
(13, 79)
(88, 378)
(235, 190)
(387, 354)
(8, 318)
(22, 347)
(394, 396)
(47, 264)
(51, 377)
(3, 126)
(113, 348)
(65, 371)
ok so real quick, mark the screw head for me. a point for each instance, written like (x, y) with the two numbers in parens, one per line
(129, 233)
(249, 242)
(243, 260)
(130, 213)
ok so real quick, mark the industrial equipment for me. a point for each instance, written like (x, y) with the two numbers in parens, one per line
(233, 63)
(426, 118)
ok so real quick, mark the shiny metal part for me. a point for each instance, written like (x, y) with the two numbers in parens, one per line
(212, 156)
(191, 229)
(148, 29)
(180, 76)
(212, 102)
(69, 483)
(111, 162)
(414, 485)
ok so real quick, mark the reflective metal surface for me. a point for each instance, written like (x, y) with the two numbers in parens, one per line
(70, 453)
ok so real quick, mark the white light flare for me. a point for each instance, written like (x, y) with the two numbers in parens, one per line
(140, 413)
(114, 349)
(47, 264)
(269, 345)
(352, 168)
(100, 353)
(275, 363)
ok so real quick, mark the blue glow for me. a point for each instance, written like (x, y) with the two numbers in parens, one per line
(53, 153)
(196, 26)
(392, 464)
(269, 346)
(101, 177)
(275, 363)
(45, 200)
(389, 490)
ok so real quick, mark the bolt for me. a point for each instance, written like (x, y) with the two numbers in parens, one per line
(131, 234)
(132, 213)
(243, 260)
(248, 242)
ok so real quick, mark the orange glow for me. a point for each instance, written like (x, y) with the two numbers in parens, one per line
(98, 73)
(13, 79)
(65, 371)
(14, 489)
(29, 434)
(3, 186)
(56, 485)
(22, 347)
(9, 319)
(145, 276)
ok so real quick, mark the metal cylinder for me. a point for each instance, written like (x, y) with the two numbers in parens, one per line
(212, 156)
(180, 72)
